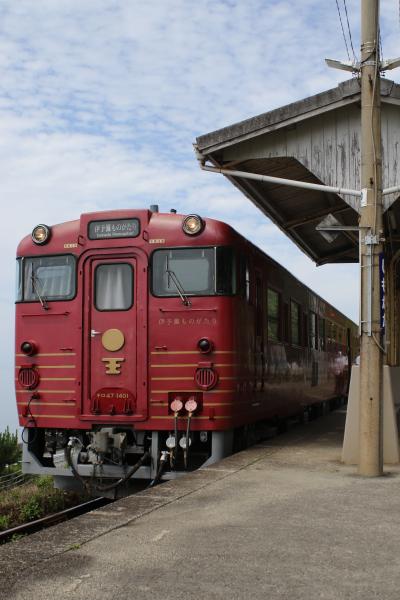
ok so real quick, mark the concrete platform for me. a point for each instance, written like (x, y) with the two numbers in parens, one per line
(282, 520)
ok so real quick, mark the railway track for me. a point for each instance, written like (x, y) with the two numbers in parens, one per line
(54, 519)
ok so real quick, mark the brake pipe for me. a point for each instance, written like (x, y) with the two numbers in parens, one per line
(190, 406)
(176, 406)
(161, 467)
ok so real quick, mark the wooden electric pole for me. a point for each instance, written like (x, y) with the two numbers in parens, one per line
(371, 247)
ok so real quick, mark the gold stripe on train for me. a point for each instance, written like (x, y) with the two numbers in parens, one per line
(158, 352)
(200, 417)
(48, 416)
(191, 365)
(40, 391)
(54, 379)
(192, 391)
(49, 366)
(49, 354)
(41, 403)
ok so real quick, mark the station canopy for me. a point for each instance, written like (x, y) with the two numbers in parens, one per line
(317, 140)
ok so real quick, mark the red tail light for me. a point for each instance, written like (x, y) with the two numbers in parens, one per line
(28, 377)
(206, 378)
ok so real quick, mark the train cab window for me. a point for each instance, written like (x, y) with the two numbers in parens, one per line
(313, 331)
(184, 270)
(273, 315)
(48, 278)
(114, 286)
(194, 272)
(295, 323)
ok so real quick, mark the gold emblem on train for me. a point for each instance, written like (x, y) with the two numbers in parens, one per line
(113, 365)
(113, 340)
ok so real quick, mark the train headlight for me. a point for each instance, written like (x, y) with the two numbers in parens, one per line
(193, 225)
(41, 234)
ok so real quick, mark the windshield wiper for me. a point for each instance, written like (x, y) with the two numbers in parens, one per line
(35, 281)
(179, 287)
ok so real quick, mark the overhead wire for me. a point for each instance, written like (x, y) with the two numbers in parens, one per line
(343, 32)
(349, 30)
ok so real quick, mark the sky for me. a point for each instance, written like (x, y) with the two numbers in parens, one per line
(101, 100)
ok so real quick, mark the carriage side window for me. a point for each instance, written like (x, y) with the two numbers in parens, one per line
(48, 278)
(313, 331)
(295, 323)
(226, 270)
(259, 307)
(273, 311)
(286, 328)
(304, 330)
(321, 333)
(114, 286)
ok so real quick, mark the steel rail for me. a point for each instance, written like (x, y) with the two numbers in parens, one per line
(53, 519)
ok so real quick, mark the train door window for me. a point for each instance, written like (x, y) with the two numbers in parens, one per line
(114, 286)
(259, 306)
(313, 331)
(321, 333)
(286, 327)
(295, 323)
(273, 312)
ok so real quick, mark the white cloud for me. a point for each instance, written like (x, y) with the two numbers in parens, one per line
(101, 100)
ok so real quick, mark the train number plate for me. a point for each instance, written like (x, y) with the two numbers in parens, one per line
(113, 401)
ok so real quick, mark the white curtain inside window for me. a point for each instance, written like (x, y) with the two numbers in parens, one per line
(114, 287)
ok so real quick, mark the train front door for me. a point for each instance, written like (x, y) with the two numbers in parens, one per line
(113, 382)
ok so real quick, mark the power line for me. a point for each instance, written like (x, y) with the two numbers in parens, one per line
(349, 30)
(341, 24)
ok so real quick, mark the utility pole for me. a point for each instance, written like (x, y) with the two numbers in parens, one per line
(371, 247)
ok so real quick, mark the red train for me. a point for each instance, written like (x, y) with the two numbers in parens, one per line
(150, 343)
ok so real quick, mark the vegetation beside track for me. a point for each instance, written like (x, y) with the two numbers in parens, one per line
(34, 499)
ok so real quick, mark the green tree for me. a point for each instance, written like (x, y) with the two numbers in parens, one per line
(10, 451)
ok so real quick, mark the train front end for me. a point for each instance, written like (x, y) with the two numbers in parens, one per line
(124, 347)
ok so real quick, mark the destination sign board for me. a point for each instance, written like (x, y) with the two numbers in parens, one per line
(113, 228)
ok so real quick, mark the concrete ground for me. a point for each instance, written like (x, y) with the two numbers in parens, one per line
(283, 519)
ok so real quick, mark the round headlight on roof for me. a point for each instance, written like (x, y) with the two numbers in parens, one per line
(41, 234)
(193, 224)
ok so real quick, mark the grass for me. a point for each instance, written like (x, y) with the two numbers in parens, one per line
(33, 500)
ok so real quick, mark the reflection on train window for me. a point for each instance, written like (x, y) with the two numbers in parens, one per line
(194, 272)
(313, 331)
(48, 278)
(114, 286)
(295, 323)
(273, 311)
